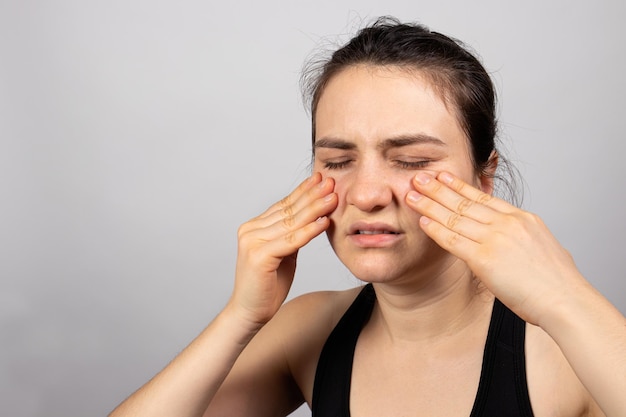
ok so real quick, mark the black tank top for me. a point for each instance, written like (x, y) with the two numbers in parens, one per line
(502, 390)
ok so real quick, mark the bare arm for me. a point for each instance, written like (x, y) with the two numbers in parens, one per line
(190, 381)
(591, 333)
(268, 246)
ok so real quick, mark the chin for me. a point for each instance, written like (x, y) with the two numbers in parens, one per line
(375, 268)
(391, 264)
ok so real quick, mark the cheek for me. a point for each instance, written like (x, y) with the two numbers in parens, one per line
(401, 186)
(469, 176)
(461, 166)
(339, 189)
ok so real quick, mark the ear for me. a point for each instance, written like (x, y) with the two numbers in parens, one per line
(486, 177)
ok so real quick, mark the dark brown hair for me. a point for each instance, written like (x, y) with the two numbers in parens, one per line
(455, 72)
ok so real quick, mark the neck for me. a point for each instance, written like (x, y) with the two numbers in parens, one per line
(443, 305)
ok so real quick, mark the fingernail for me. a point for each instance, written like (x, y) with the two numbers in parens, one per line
(422, 178)
(323, 183)
(445, 177)
(329, 197)
(413, 196)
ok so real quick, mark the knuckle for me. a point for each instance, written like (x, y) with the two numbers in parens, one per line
(512, 219)
(500, 240)
(458, 186)
(463, 206)
(436, 186)
(244, 240)
(290, 237)
(287, 211)
(289, 221)
(452, 240)
(512, 222)
(453, 220)
(534, 219)
(288, 216)
(523, 221)
(285, 202)
(484, 198)
(242, 230)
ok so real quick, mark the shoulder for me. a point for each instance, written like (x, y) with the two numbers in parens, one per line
(306, 321)
(303, 325)
(278, 366)
(553, 386)
(319, 309)
(275, 371)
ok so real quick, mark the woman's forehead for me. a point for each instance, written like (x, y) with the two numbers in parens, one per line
(375, 101)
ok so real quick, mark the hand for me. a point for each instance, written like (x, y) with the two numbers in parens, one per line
(511, 251)
(268, 247)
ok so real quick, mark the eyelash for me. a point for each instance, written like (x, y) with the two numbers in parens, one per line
(336, 165)
(412, 165)
(400, 164)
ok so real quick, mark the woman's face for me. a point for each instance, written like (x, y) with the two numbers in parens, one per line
(376, 127)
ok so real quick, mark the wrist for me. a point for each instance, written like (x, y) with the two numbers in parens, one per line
(569, 306)
(240, 321)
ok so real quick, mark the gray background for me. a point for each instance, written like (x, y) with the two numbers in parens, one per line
(137, 135)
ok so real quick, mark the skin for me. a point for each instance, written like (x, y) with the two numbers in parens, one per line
(391, 157)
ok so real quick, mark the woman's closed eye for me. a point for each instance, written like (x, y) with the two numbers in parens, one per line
(337, 164)
(344, 163)
(411, 164)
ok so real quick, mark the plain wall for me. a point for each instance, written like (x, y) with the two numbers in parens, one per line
(135, 137)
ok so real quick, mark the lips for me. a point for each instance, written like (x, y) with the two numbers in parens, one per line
(374, 235)
(366, 228)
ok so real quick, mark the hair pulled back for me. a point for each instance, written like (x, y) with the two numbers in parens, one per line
(456, 74)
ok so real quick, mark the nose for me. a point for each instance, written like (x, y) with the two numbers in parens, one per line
(368, 189)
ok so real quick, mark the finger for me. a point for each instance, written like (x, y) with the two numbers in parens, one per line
(301, 189)
(454, 221)
(451, 241)
(312, 188)
(258, 246)
(474, 194)
(313, 198)
(290, 242)
(456, 205)
(288, 221)
(280, 226)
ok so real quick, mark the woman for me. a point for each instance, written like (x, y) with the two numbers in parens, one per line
(471, 306)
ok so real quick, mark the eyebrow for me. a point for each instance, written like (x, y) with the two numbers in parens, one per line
(394, 142)
(334, 143)
(407, 140)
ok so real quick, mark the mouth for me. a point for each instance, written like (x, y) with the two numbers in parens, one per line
(375, 232)
(374, 235)
(377, 228)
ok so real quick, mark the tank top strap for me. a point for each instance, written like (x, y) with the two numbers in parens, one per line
(503, 389)
(331, 389)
